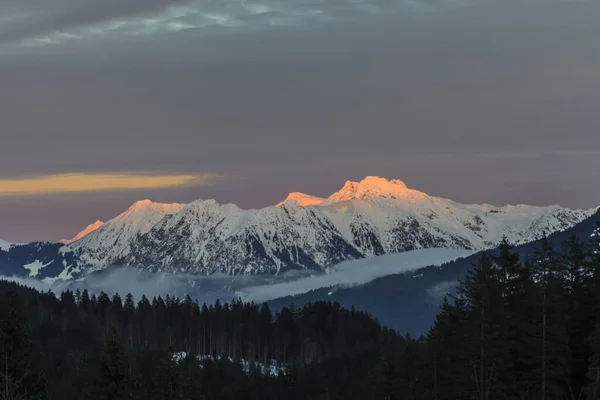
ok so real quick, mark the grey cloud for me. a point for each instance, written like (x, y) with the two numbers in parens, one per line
(58, 15)
(456, 104)
(61, 18)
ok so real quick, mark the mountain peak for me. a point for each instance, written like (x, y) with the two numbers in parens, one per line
(86, 231)
(303, 199)
(378, 181)
(141, 204)
(146, 206)
(375, 187)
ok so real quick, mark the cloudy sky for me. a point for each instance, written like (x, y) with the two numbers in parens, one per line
(105, 102)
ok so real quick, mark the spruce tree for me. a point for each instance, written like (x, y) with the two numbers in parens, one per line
(450, 368)
(517, 333)
(520, 378)
(387, 378)
(17, 379)
(549, 274)
(111, 380)
(483, 291)
(579, 310)
(168, 379)
(592, 389)
(189, 378)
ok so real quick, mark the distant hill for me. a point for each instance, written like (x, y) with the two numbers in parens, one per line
(409, 302)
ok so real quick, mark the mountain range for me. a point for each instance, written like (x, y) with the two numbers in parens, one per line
(363, 219)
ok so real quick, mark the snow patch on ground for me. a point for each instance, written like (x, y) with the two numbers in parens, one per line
(272, 369)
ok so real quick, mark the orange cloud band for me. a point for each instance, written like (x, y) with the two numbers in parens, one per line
(73, 183)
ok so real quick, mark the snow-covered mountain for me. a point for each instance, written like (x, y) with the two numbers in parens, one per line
(368, 218)
(112, 241)
(86, 231)
(302, 199)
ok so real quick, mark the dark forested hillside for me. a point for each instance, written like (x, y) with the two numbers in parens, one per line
(100, 347)
(409, 302)
(517, 328)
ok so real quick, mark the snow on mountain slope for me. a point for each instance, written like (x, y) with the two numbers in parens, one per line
(35, 268)
(302, 199)
(376, 188)
(364, 219)
(368, 218)
(206, 237)
(110, 242)
(36, 259)
(381, 216)
(86, 231)
(4, 246)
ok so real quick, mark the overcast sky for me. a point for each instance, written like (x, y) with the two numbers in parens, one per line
(244, 101)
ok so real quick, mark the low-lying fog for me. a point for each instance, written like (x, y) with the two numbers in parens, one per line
(258, 288)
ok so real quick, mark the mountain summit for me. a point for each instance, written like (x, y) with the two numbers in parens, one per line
(302, 199)
(372, 217)
(86, 231)
(375, 187)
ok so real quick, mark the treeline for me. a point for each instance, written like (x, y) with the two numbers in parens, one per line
(516, 329)
(79, 346)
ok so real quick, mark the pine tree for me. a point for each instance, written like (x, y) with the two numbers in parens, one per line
(111, 380)
(593, 275)
(189, 378)
(483, 291)
(508, 264)
(520, 378)
(511, 279)
(168, 377)
(127, 323)
(387, 379)
(592, 389)
(518, 374)
(135, 379)
(266, 320)
(450, 369)
(17, 379)
(579, 310)
(549, 275)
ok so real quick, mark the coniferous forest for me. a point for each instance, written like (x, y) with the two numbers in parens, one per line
(515, 329)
